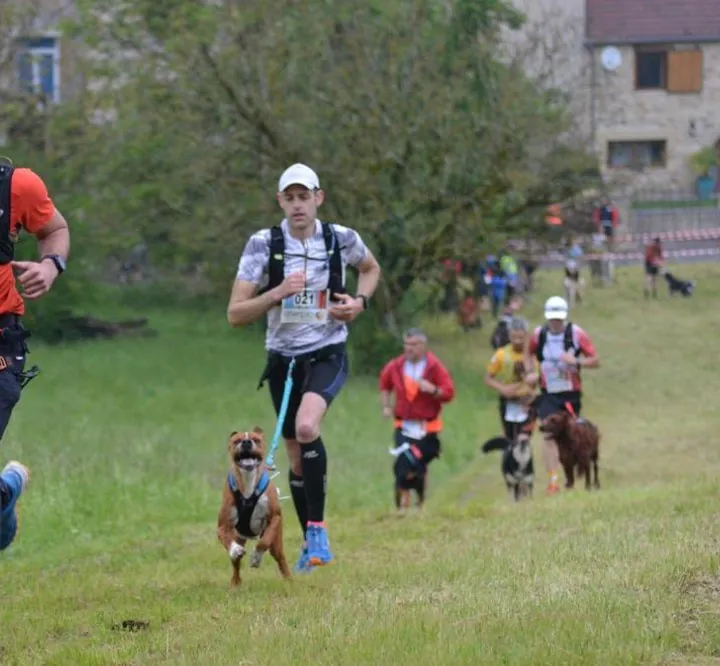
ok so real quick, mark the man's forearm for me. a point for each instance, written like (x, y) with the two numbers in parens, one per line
(57, 242)
(386, 399)
(368, 281)
(494, 384)
(588, 362)
(246, 312)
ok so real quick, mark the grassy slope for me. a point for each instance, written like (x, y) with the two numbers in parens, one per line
(127, 447)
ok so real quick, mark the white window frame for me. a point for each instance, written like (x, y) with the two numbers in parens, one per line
(53, 51)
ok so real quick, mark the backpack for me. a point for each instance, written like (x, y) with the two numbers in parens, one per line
(7, 247)
(568, 343)
(276, 264)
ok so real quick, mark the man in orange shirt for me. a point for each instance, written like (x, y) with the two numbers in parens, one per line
(24, 204)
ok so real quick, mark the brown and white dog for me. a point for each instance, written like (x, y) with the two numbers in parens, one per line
(250, 506)
(578, 442)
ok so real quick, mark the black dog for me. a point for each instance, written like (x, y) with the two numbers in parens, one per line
(517, 463)
(684, 287)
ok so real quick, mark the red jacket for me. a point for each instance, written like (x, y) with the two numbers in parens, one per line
(424, 406)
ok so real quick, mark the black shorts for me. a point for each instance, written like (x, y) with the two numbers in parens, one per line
(429, 446)
(651, 269)
(608, 231)
(551, 403)
(323, 371)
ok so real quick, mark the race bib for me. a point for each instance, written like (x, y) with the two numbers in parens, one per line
(515, 412)
(557, 378)
(305, 307)
(413, 429)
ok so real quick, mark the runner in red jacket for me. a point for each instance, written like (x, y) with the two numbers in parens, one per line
(420, 385)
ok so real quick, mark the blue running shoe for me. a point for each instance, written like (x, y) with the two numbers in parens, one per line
(303, 564)
(16, 477)
(318, 545)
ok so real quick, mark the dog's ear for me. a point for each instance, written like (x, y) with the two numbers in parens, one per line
(258, 430)
(233, 433)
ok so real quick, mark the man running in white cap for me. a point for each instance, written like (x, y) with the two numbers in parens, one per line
(558, 346)
(295, 272)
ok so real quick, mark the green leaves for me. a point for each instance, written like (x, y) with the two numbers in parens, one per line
(424, 139)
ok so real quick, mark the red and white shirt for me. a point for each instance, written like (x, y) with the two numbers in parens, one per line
(555, 375)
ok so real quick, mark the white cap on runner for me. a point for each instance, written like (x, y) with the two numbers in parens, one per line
(556, 308)
(298, 174)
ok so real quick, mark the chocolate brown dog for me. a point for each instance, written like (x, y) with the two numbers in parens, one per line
(250, 506)
(578, 442)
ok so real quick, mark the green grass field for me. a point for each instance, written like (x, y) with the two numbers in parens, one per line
(126, 442)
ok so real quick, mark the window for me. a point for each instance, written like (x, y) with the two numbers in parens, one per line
(679, 70)
(38, 62)
(636, 154)
(651, 69)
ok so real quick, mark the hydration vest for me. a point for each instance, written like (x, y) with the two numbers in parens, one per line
(7, 246)
(568, 342)
(276, 265)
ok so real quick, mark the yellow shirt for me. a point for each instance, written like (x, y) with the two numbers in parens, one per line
(502, 367)
(502, 364)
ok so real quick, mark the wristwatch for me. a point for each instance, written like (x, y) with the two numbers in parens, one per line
(57, 260)
(365, 301)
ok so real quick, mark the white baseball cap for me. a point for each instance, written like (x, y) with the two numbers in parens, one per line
(556, 308)
(298, 174)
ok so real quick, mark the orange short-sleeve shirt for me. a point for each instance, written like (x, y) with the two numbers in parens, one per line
(31, 209)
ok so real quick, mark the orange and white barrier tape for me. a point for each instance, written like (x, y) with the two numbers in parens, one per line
(636, 256)
(680, 235)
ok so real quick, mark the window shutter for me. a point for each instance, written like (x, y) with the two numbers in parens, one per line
(685, 71)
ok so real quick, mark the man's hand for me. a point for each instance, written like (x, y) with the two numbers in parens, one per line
(347, 309)
(35, 277)
(507, 392)
(387, 412)
(426, 387)
(569, 359)
(532, 378)
(291, 285)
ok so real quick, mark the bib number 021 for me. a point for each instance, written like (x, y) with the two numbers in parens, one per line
(304, 299)
(306, 307)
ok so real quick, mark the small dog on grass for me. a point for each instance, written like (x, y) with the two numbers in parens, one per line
(578, 442)
(250, 506)
(517, 463)
(675, 285)
(574, 283)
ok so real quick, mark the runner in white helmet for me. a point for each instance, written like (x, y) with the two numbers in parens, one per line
(561, 348)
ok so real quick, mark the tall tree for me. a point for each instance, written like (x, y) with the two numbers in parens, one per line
(425, 139)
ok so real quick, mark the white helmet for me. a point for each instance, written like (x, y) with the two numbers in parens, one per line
(556, 307)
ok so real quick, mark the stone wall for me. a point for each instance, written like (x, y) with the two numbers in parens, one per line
(623, 113)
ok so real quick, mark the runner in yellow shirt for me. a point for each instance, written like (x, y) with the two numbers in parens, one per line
(505, 374)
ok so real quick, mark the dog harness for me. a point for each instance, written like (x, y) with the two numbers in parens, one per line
(246, 506)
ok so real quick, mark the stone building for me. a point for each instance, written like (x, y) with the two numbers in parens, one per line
(654, 87)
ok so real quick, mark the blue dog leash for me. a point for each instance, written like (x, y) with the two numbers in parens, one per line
(270, 459)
